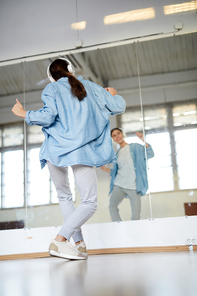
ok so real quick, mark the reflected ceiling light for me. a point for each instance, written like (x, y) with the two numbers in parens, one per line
(176, 114)
(175, 8)
(189, 113)
(78, 26)
(130, 16)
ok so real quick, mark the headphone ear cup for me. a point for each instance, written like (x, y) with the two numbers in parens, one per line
(49, 74)
(70, 68)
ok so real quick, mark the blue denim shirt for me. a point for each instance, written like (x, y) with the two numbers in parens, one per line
(76, 132)
(139, 161)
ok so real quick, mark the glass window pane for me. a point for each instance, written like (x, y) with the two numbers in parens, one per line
(184, 114)
(131, 121)
(35, 134)
(132, 127)
(133, 139)
(183, 136)
(38, 180)
(187, 176)
(13, 135)
(160, 162)
(156, 179)
(160, 143)
(186, 157)
(13, 183)
(155, 118)
(131, 116)
(160, 166)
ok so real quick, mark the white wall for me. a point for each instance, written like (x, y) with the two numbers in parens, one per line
(131, 234)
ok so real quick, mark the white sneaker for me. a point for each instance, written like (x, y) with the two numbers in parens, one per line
(82, 248)
(65, 250)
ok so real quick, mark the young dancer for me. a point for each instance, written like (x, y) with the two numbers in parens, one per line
(75, 121)
(128, 176)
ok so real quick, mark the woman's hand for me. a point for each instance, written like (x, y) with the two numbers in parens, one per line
(141, 137)
(18, 109)
(111, 90)
(103, 168)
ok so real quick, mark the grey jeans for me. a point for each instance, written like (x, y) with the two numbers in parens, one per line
(86, 181)
(117, 195)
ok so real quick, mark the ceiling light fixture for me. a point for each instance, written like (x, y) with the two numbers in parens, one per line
(78, 26)
(176, 8)
(130, 16)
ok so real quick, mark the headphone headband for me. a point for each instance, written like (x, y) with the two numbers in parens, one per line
(69, 67)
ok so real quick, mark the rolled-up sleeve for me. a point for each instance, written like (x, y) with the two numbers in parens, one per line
(45, 116)
(150, 152)
(113, 104)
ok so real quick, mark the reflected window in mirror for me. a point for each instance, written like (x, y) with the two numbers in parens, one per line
(131, 121)
(40, 189)
(13, 182)
(35, 134)
(185, 135)
(184, 114)
(12, 135)
(160, 166)
(38, 180)
(186, 156)
(12, 168)
(171, 130)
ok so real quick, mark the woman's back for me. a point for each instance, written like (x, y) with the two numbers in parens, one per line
(76, 132)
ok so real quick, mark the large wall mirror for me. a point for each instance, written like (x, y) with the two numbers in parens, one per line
(171, 123)
(157, 78)
(168, 88)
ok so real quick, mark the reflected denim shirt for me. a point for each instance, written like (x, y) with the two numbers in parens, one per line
(76, 132)
(137, 152)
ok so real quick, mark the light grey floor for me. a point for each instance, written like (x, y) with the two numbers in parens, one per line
(152, 274)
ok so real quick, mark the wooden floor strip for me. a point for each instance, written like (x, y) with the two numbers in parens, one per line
(24, 256)
(139, 250)
(104, 251)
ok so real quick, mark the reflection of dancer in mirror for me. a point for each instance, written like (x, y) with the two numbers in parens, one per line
(75, 121)
(128, 176)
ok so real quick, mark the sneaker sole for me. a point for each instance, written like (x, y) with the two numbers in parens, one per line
(66, 256)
